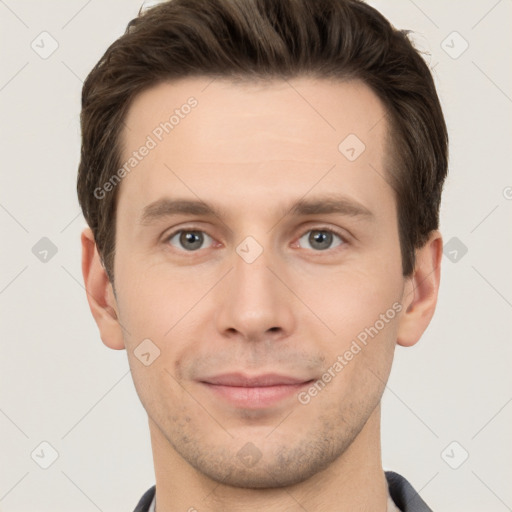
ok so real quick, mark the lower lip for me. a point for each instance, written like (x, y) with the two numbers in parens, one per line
(255, 397)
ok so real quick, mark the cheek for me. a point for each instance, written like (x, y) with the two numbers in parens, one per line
(359, 308)
(351, 299)
(154, 300)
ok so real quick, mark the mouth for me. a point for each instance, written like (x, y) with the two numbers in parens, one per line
(254, 392)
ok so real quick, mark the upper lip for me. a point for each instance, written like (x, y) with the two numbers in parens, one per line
(247, 381)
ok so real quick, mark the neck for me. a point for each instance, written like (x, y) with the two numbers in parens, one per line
(354, 481)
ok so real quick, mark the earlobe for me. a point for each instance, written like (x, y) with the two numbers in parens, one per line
(100, 295)
(421, 290)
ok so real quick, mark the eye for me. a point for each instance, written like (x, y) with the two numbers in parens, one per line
(190, 240)
(321, 239)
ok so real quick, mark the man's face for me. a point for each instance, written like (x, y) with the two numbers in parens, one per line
(252, 308)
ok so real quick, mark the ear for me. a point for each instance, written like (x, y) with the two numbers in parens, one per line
(100, 293)
(420, 291)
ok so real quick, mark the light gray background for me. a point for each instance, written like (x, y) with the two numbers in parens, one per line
(60, 384)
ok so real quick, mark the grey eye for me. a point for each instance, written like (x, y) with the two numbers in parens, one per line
(189, 240)
(320, 239)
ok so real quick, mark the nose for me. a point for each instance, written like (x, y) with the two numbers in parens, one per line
(254, 303)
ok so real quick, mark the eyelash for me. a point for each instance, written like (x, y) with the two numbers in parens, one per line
(323, 229)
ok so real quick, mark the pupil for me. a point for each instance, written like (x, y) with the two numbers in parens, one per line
(191, 240)
(317, 238)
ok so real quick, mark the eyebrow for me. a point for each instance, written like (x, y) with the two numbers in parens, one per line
(167, 207)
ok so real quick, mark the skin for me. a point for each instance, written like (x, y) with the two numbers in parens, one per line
(255, 149)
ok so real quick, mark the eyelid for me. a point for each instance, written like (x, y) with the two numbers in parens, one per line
(344, 238)
(187, 229)
(168, 234)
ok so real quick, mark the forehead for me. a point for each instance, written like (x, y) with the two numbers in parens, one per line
(280, 136)
(303, 110)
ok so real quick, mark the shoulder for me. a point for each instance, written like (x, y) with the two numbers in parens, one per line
(145, 501)
(404, 495)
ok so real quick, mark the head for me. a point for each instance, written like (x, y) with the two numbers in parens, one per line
(314, 129)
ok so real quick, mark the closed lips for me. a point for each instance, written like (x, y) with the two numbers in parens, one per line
(245, 381)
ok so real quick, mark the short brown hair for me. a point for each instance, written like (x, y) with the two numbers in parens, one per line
(265, 39)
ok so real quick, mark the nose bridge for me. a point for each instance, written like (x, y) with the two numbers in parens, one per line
(253, 282)
(251, 268)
